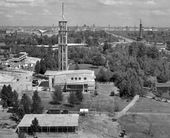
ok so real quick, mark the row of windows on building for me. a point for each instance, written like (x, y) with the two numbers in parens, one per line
(78, 78)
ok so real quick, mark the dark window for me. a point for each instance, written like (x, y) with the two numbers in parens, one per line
(76, 78)
(72, 78)
(85, 78)
(79, 78)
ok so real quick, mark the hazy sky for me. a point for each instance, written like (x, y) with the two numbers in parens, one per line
(79, 12)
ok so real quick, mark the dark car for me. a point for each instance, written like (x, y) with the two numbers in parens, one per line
(65, 112)
(35, 83)
(53, 111)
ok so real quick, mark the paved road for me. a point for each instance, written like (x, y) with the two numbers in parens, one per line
(126, 40)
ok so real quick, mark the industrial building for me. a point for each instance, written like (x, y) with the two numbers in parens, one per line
(72, 80)
(50, 122)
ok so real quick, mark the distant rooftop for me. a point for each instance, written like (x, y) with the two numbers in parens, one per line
(50, 120)
(49, 72)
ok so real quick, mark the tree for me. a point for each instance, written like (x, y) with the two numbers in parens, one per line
(153, 52)
(79, 95)
(106, 46)
(37, 107)
(129, 83)
(25, 104)
(42, 66)
(37, 67)
(72, 99)
(57, 95)
(96, 89)
(35, 126)
(15, 101)
(77, 66)
(3, 96)
(98, 59)
(9, 97)
(104, 75)
(168, 45)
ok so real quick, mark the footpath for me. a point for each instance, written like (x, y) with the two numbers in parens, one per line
(126, 109)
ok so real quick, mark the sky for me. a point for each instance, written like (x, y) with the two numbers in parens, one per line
(78, 12)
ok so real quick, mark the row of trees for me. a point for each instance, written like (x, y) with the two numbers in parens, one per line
(20, 107)
(27, 39)
(87, 55)
(93, 39)
(89, 37)
(8, 96)
(74, 97)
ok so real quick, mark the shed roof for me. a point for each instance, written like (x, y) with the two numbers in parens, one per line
(50, 120)
(53, 73)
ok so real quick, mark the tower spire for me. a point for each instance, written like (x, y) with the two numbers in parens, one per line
(63, 10)
(140, 37)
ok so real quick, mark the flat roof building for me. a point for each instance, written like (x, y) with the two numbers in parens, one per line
(73, 80)
(50, 122)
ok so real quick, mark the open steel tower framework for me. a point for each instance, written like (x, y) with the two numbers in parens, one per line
(62, 43)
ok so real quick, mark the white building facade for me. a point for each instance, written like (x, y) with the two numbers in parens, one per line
(72, 80)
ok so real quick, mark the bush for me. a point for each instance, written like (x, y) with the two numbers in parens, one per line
(112, 93)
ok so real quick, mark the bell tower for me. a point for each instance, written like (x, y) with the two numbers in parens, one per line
(62, 43)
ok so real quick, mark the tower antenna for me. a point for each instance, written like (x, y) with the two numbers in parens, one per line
(63, 10)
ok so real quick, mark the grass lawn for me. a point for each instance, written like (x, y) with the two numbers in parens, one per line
(139, 126)
(103, 102)
(146, 126)
(86, 66)
(150, 105)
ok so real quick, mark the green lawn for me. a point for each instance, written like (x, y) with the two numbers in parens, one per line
(103, 102)
(150, 105)
(146, 126)
(86, 66)
(139, 126)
